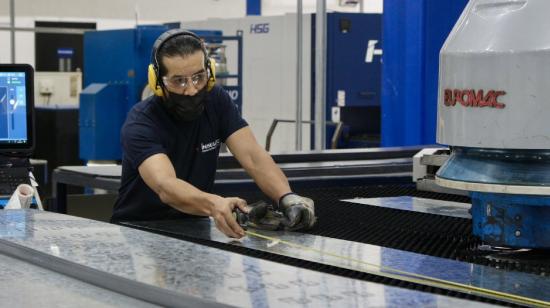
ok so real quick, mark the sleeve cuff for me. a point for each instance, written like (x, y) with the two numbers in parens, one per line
(282, 197)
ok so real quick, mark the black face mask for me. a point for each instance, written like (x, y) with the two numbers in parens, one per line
(185, 107)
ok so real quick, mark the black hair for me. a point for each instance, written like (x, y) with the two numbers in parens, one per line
(180, 45)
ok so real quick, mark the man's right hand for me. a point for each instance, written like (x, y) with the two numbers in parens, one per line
(299, 212)
(222, 213)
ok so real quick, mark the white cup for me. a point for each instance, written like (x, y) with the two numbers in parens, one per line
(21, 198)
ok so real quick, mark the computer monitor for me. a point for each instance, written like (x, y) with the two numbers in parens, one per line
(16, 109)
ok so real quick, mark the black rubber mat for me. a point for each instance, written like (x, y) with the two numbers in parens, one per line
(424, 233)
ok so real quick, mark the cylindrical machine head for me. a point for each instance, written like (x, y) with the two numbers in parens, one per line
(494, 77)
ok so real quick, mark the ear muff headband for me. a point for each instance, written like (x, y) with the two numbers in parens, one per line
(153, 71)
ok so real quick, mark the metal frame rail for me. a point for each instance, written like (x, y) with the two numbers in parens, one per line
(334, 140)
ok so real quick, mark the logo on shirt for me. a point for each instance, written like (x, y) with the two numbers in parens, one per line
(207, 147)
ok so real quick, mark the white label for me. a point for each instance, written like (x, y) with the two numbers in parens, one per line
(335, 114)
(341, 98)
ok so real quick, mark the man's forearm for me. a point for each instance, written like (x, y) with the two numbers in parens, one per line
(186, 197)
(268, 176)
(258, 163)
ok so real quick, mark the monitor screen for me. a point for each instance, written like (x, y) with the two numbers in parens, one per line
(16, 108)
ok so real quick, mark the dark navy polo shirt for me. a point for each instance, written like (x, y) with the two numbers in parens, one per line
(192, 147)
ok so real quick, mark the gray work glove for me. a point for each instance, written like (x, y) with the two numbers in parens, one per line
(261, 215)
(299, 212)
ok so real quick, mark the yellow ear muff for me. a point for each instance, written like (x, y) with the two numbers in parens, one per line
(152, 81)
(212, 77)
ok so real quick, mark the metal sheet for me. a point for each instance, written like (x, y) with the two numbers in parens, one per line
(329, 168)
(106, 280)
(364, 257)
(341, 167)
(196, 270)
(107, 171)
(25, 285)
(421, 205)
(226, 160)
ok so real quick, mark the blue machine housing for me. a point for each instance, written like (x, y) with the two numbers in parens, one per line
(413, 32)
(115, 74)
(505, 219)
(101, 113)
(348, 70)
(518, 221)
(349, 67)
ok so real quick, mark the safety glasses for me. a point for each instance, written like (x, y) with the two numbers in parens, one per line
(181, 82)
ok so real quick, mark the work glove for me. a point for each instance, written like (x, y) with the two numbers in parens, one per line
(295, 213)
(299, 212)
(261, 215)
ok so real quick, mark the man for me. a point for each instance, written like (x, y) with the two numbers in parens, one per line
(171, 145)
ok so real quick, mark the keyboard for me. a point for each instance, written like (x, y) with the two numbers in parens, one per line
(10, 178)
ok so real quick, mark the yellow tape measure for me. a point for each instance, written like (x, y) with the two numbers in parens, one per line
(411, 277)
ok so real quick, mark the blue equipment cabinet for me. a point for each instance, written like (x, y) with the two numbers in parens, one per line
(414, 32)
(101, 115)
(115, 74)
(354, 49)
(351, 65)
